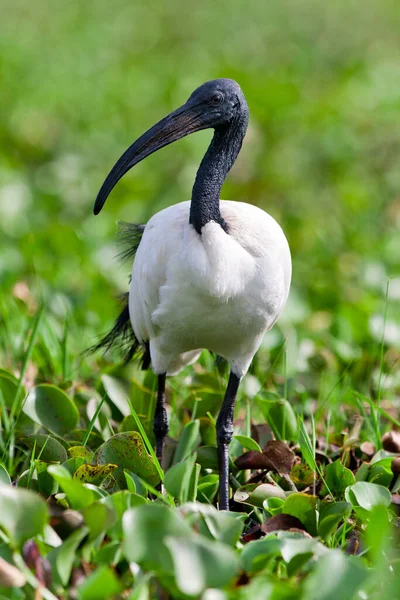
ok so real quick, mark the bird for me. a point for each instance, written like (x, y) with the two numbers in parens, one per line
(207, 273)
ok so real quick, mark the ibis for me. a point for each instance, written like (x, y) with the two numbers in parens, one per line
(207, 273)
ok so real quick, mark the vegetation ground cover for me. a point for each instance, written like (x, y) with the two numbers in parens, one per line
(314, 469)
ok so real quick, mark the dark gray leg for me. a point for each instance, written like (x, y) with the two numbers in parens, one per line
(160, 418)
(224, 436)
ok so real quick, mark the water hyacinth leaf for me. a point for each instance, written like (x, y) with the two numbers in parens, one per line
(256, 494)
(303, 507)
(47, 447)
(367, 495)
(99, 517)
(120, 502)
(94, 474)
(135, 484)
(79, 436)
(177, 479)
(109, 553)
(247, 442)
(77, 494)
(302, 476)
(8, 388)
(222, 526)
(279, 415)
(80, 452)
(377, 535)
(62, 558)
(331, 514)
(193, 483)
(207, 457)
(200, 564)
(335, 576)
(145, 530)
(337, 478)
(256, 554)
(118, 390)
(73, 464)
(207, 488)
(50, 407)
(295, 546)
(46, 484)
(273, 506)
(128, 451)
(102, 583)
(15, 505)
(188, 441)
(381, 472)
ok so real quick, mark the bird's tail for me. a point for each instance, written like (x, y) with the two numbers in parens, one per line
(122, 336)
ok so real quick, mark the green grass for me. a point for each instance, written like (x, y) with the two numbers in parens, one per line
(321, 155)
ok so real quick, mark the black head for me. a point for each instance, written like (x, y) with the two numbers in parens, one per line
(215, 104)
(220, 101)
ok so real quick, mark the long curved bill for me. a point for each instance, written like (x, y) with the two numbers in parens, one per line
(178, 124)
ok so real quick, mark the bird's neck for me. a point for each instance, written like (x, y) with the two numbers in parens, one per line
(217, 162)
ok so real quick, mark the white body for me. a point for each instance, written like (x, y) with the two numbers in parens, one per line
(216, 290)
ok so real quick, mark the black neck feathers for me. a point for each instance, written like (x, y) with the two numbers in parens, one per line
(217, 162)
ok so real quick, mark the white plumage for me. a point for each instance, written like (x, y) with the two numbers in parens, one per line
(216, 291)
(208, 273)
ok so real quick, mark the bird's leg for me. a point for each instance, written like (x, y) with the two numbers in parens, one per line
(224, 436)
(160, 418)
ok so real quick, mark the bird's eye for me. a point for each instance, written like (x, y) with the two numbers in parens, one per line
(216, 99)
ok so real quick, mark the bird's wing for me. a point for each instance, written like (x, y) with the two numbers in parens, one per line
(161, 239)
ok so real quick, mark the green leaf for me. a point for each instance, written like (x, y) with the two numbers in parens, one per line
(200, 564)
(207, 457)
(256, 554)
(8, 387)
(145, 530)
(47, 447)
(279, 415)
(207, 488)
(367, 495)
(247, 442)
(221, 526)
(381, 471)
(23, 514)
(94, 474)
(377, 535)
(128, 451)
(255, 494)
(177, 479)
(102, 583)
(307, 446)
(304, 507)
(118, 391)
(99, 517)
(331, 514)
(62, 558)
(80, 452)
(51, 408)
(120, 502)
(78, 495)
(337, 478)
(335, 576)
(188, 441)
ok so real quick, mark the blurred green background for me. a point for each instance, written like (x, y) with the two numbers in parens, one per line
(80, 81)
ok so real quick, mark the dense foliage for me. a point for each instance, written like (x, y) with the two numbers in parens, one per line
(314, 468)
